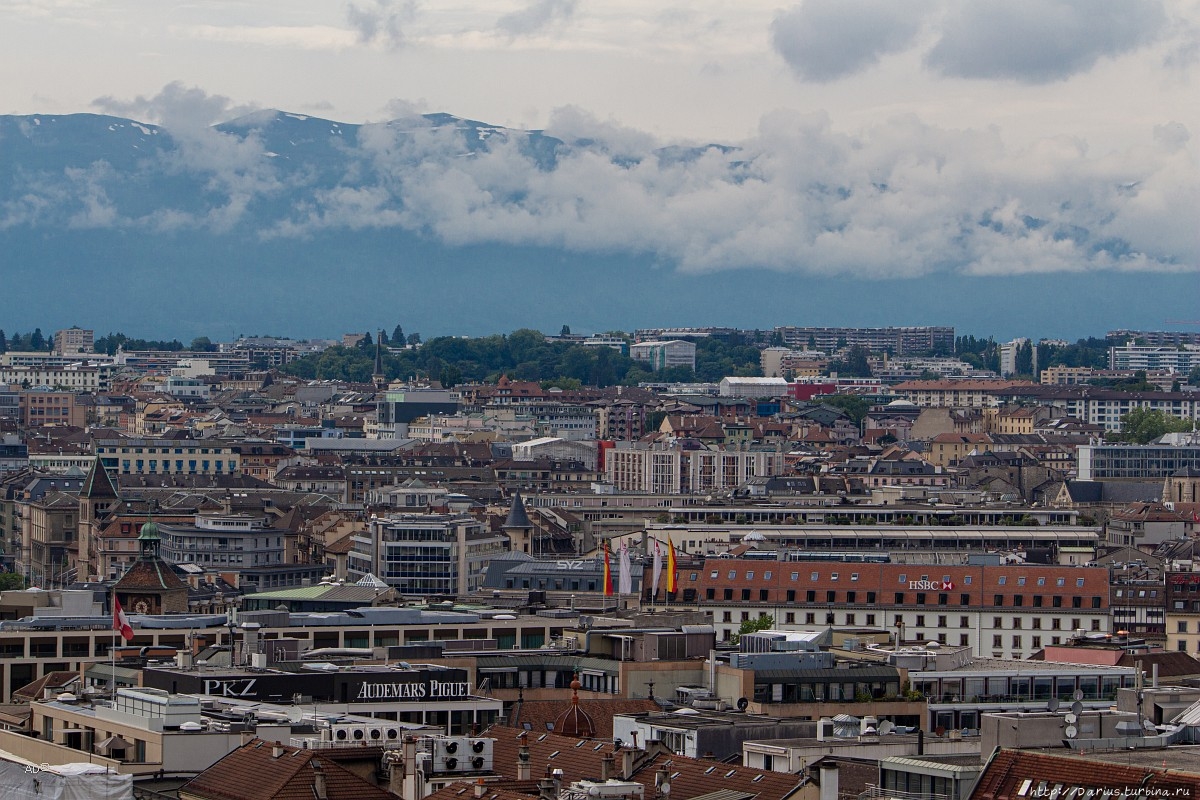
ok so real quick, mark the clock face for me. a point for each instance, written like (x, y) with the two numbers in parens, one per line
(141, 606)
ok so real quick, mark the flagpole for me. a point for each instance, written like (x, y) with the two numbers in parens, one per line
(112, 652)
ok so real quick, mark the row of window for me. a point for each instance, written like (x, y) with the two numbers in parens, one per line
(901, 578)
(899, 598)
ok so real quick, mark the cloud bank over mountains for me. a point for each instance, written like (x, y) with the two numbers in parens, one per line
(897, 199)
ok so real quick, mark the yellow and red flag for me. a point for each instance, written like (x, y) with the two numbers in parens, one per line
(608, 581)
(671, 576)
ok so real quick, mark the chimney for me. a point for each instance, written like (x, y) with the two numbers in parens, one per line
(523, 770)
(277, 750)
(606, 767)
(480, 787)
(320, 791)
(829, 780)
(626, 764)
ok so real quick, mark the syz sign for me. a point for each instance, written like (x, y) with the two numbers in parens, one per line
(569, 564)
(241, 687)
(932, 586)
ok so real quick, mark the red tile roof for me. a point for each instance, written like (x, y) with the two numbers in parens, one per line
(253, 772)
(580, 759)
(1009, 770)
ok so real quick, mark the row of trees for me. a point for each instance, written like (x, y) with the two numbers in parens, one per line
(26, 342)
(524, 355)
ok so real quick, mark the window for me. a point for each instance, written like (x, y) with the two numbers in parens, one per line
(729, 594)
(1021, 581)
(850, 619)
(964, 640)
(1079, 582)
(790, 618)
(810, 596)
(762, 595)
(1016, 623)
(851, 597)
(1095, 602)
(920, 621)
(1056, 601)
(1042, 581)
(1037, 601)
(998, 600)
(967, 580)
(727, 616)
(920, 598)
(713, 575)
(795, 576)
(710, 593)
(1037, 641)
(810, 619)
(1016, 642)
(1018, 600)
(829, 618)
(903, 578)
(767, 575)
(964, 622)
(1055, 624)
(1037, 623)
(1076, 602)
(1003, 580)
(745, 616)
(871, 598)
(830, 596)
(1061, 582)
(732, 574)
(943, 599)
(964, 599)
(870, 619)
(833, 576)
(899, 598)
(816, 576)
(791, 595)
(997, 642)
(941, 622)
(745, 594)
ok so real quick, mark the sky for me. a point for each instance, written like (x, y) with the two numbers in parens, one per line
(886, 138)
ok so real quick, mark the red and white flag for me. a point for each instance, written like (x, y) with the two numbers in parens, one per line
(121, 622)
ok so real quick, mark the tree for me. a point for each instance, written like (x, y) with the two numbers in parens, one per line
(1193, 373)
(398, 335)
(566, 331)
(383, 337)
(202, 344)
(36, 340)
(812, 342)
(854, 406)
(763, 623)
(11, 581)
(1144, 425)
(366, 341)
(451, 376)
(3, 343)
(414, 339)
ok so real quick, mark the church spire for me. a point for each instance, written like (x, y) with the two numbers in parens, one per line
(377, 378)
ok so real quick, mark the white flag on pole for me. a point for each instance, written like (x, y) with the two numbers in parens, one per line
(657, 569)
(626, 577)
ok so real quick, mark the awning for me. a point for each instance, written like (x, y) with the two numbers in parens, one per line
(114, 742)
(102, 671)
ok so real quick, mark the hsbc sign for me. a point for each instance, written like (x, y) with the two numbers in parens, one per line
(932, 586)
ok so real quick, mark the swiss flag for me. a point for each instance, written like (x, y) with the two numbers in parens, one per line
(121, 622)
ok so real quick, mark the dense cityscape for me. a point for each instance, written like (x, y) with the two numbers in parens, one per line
(767, 562)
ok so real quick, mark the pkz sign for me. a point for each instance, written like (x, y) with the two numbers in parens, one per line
(241, 687)
(932, 586)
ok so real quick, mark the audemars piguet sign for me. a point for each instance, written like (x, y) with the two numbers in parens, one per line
(429, 690)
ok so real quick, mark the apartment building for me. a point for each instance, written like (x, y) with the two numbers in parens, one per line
(76, 377)
(74, 341)
(667, 469)
(168, 457)
(998, 611)
(1180, 358)
(665, 354)
(896, 340)
(426, 554)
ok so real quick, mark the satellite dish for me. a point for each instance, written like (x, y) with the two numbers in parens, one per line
(1077, 708)
(1052, 704)
(1071, 731)
(295, 715)
(1078, 695)
(742, 704)
(1071, 719)
(886, 727)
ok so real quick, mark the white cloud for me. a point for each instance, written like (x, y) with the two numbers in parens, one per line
(382, 21)
(536, 16)
(1039, 41)
(823, 40)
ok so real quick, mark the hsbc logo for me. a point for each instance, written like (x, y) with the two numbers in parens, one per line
(932, 586)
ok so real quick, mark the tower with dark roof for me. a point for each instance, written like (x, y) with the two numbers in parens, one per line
(518, 526)
(97, 499)
(377, 377)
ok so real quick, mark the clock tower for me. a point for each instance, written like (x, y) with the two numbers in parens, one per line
(150, 586)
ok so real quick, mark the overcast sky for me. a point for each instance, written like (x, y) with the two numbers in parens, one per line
(1040, 118)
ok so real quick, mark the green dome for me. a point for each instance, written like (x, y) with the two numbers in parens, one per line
(149, 532)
